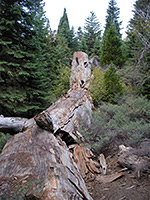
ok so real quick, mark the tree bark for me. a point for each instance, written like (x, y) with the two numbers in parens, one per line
(11, 124)
(39, 160)
(63, 116)
(129, 158)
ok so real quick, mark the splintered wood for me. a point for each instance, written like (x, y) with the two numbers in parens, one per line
(84, 159)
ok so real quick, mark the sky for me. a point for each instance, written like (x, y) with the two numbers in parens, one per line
(79, 10)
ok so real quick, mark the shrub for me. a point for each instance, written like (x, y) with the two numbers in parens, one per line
(105, 85)
(3, 139)
(62, 83)
(112, 84)
(127, 122)
(96, 87)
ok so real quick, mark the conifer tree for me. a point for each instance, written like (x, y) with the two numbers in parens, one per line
(74, 43)
(139, 44)
(79, 34)
(82, 46)
(112, 84)
(64, 31)
(23, 70)
(96, 48)
(66, 37)
(92, 32)
(111, 48)
(113, 13)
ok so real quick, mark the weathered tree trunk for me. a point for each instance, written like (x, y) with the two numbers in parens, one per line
(15, 124)
(84, 159)
(11, 124)
(128, 158)
(63, 116)
(37, 162)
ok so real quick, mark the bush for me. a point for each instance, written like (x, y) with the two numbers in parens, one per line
(96, 87)
(105, 85)
(62, 83)
(112, 84)
(131, 76)
(3, 139)
(128, 121)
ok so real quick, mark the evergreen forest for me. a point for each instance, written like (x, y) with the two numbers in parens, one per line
(35, 63)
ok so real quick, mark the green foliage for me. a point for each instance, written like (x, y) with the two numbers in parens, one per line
(112, 84)
(66, 35)
(130, 76)
(105, 85)
(82, 46)
(3, 139)
(24, 58)
(138, 42)
(64, 28)
(62, 83)
(25, 191)
(130, 119)
(97, 88)
(144, 87)
(113, 13)
(111, 48)
(92, 34)
(96, 48)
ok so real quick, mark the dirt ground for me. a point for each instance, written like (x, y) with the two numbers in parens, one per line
(127, 187)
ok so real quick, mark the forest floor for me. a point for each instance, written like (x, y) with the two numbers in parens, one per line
(127, 187)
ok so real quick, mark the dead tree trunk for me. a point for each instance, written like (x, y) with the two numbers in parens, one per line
(62, 117)
(41, 155)
(128, 157)
(11, 124)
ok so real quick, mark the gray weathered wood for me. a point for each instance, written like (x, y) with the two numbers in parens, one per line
(37, 162)
(129, 158)
(11, 124)
(75, 105)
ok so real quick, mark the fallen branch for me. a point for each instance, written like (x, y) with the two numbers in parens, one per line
(11, 124)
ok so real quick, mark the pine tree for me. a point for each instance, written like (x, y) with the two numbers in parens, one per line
(23, 63)
(45, 52)
(111, 48)
(112, 84)
(64, 29)
(139, 44)
(113, 13)
(82, 46)
(96, 48)
(92, 32)
(74, 43)
(79, 34)
(66, 36)
(134, 42)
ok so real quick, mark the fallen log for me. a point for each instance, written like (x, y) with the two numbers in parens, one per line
(84, 159)
(63, 116)
(128, 157)
(12, 124)
(37, 163)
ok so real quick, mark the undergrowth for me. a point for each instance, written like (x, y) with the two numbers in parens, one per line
(3, 139)
(126, 122)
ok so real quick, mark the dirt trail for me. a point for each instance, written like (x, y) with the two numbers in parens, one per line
(127, 187)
